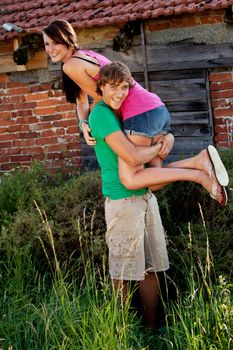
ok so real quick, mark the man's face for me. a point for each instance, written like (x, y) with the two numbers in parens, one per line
(115, 94)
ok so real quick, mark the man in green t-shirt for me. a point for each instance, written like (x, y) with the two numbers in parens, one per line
(135, 234)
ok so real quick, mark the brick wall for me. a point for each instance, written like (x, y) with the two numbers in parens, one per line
(221, 89)
(36, 123)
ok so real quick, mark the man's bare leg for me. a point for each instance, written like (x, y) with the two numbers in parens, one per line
(149, 295)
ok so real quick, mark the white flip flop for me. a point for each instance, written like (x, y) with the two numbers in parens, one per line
(218, 166)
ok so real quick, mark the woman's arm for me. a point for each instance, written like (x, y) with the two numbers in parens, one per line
(81, 73)
(78, 72)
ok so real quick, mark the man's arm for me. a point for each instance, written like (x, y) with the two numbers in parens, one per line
(128, 152)
(167, 144)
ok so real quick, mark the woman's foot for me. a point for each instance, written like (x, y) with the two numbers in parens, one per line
(209, 161)
(216, 191)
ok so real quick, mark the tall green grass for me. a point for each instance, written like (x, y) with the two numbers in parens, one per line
(201, 317)
(58, 311)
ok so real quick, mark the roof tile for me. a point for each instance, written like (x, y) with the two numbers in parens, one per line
(33, 16)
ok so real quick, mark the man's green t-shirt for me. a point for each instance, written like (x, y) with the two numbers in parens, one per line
(104, 122)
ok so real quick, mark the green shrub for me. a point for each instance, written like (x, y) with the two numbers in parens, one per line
(75, 211)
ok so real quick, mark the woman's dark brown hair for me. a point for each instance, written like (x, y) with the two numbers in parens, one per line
(62, 32)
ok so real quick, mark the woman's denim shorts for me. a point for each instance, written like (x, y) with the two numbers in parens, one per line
(150, 124)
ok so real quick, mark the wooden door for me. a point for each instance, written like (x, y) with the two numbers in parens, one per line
(186, 94)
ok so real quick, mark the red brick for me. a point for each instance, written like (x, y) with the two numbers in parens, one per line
(2, 130)
(41, 126)
(153, 27)
(21, 158)
(6, 122)
(64, 123)
(14, 84)
(46, 141)
(73, 145)
(66, 107)
(33, 150)
(212, 19)
(24, 143)
(225, 144)
(26, 105)
(24, 113)
(7, 144)
(222, 94)
(223, 112)
(4, 78)
(222, 103)
(55, 155)
(221, 129)
(37, 96)
(221, 76)
(28, 135)
(73, 130)
(39, 157)
(18, 127)
(51, 133)
(4, 159)
(221, 137)
(12, 150)
(222, 85)
(18, 91)
(9, 137)
(6, 167)
(6, 107)
(69, 115)
(45, 111)
(51, 117)
(40, 87)
(183, 22)
(13, 99)
(5, 115)
(27, 120)
(48, 102)
(55, 148)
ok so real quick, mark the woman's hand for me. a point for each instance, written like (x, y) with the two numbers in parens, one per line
(167, 144)
(86, 133)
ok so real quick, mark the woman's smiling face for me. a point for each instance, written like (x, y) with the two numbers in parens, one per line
(57, 52)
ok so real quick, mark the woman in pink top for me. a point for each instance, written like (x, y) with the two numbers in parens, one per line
(80, 69)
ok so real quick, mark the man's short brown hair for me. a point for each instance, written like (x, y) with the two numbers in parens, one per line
(114, 73)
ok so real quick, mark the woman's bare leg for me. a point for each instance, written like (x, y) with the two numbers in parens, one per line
(156, 178)
(195, 169)
(201, 162)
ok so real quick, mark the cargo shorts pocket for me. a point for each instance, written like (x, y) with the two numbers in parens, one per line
(122, 247)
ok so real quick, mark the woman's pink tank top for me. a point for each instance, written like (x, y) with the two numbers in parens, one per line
(139, 99)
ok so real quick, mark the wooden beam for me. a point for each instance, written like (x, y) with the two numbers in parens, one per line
(189, 55)
(144, 56)
(7, 64)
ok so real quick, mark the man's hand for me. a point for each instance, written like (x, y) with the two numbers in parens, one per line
(167, 144)
(86, 133)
